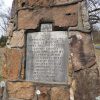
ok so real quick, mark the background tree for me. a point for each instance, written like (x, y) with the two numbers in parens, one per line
(4, 20)
(94, 13)
(4, 17)
(3, 40)
(94, 18)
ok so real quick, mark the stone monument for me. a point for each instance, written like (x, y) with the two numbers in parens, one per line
(50, 54)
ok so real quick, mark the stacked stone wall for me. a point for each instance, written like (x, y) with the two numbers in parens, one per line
(68, 15)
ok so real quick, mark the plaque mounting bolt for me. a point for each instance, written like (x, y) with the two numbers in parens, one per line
(38, 92)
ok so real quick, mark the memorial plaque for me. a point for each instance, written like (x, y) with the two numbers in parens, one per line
(47, 57)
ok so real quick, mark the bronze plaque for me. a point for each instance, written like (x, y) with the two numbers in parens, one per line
(47, 57)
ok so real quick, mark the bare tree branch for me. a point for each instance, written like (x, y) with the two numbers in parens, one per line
(4, 19)
(94, 11)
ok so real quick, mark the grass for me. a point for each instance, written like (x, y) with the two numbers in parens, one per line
(97, 44)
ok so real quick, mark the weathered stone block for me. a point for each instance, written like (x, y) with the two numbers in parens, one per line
(14, 8)
(20, 90)
(21, 3)
(63, 2)
(16, 40)
(83, 23)
(27, 91)
(82, 50)
(44, 3)
(60, 93)
(13, 63)
(29, 19)
(9, 29)
(85, 16)
(88, 84)
(40, 2)
(45, 92)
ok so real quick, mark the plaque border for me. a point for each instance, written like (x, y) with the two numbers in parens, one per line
(67, 67)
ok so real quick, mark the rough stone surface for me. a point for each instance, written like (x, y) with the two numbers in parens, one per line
(45, 92)
(59, 93)
(61, 2)
(9, 29)
(29, 19)
(14, 8)
(13, 61)
(27, 91)
(88, 84)
(16, 40)
(82, 50)
(20, 90)
(44, 3)
(85, 16)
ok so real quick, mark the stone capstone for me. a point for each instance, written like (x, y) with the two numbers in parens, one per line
(44, 3)
(30, 19)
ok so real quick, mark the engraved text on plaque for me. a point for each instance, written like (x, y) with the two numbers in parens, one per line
(47, 57)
